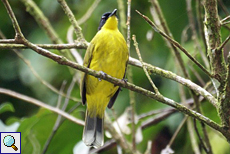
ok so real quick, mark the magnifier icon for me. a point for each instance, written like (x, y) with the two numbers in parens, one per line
(9, 141)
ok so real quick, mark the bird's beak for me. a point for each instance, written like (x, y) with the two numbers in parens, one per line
(113, 13)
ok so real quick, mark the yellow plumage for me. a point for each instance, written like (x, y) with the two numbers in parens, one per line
(108, 53)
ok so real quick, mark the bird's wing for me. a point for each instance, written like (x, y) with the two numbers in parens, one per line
(86, 63)
(112, 100)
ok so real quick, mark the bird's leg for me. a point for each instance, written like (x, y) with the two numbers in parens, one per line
(103, 74)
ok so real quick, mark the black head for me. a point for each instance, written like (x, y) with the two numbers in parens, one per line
(105, 16)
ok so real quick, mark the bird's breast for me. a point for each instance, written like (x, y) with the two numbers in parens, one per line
(110, 54)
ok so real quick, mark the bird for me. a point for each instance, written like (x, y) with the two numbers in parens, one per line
(107, 53)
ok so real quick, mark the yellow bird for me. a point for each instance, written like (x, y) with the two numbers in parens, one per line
(107, 53)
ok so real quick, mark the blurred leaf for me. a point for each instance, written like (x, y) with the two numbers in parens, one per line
(39, 128)
(6, 107)
(31, 129)
(12, 120)
(218, 143)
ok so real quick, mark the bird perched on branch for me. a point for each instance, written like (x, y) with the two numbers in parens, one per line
(107, 53)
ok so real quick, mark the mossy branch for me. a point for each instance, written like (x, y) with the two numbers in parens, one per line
(217, 62)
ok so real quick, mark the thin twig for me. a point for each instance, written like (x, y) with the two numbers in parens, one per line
(73, 21)
(59, 118)
(224, 8)
(157, 14)
(118, 126)
(58, 106)
(130, 78)
(89, 12)
(144, 68)
(199, 78)
(200, 19)
(18, 32)
(70, 32)
(204, 130)
(160, 117)
(41, 104)
(206, 138)
(47, 84)
(177, 131)
(224, 43)
(225, 19)
(194, 33)
(193, 139)
(167, 74)
(42, 20)
(149, 148)
(61, 91)
(122, 16)
(200, 138)
(7, 41)
(46, 46)
(45, 24)
(74, 51)
(153, 112)
(225, 23)
(178, 56)
(19, 36)
(176, 44)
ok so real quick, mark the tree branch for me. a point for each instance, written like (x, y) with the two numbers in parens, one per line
(73, 21)
(130, 78)
(41, 104)
(158, 12)
(132, 61)
(175, 44)
(170, 75)
(216, 56)
(213, 41)
(76, 45)
(62, 60)
(144, 67)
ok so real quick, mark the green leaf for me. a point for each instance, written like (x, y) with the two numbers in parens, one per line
(31, 129)
(6, 107)
(12, 120)
(36, 130)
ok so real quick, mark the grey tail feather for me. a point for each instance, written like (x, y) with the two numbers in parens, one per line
(93, 134)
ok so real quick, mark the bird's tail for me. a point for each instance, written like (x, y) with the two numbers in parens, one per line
(93, 134)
